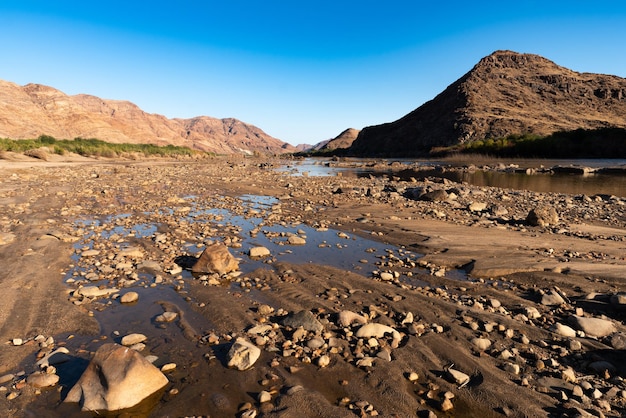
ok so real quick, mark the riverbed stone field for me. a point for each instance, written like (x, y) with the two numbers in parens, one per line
(230, 287)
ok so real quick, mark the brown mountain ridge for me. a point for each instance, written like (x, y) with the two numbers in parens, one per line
(505, 93)
(34, 109)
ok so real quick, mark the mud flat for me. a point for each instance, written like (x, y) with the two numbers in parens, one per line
(372, 296)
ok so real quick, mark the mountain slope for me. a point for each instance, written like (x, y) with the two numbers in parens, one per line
(505, 93)
(34, 109)
(343, 140)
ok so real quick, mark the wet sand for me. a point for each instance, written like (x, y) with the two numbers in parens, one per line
(479, 274)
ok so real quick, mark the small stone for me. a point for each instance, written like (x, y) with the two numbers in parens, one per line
(446, 405)
(569, 375)
(413, 377)
(477, 206)
(323, 361)
(265, 396)
(17, 341)
(168, 367)
(577, 391)
(258, 252)
(552, 298)
(459, 378)
(512, 368)
(166, 317)
(243, 354)
(129, 297)
(42, 379)
(564, 330)
(6, 378)
(481, 343)
(296, 240)
(132, 339)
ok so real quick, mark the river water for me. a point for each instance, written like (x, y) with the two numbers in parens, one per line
(588, 184)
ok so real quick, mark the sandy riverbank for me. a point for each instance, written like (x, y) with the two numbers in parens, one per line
(511, 266)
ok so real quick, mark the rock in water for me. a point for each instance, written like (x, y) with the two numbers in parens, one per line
(242, 355)
(117, 378)
(215, 259)
(258, 252)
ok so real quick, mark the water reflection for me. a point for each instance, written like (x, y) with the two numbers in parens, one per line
(590, 184)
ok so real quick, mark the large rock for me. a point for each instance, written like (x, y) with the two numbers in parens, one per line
(542, 216)
(215, 259)
(595, 327)
(304, 319)
(552, 298)
(243, 354)
(117, 378)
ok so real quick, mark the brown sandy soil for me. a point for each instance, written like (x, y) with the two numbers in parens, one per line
(510, 266)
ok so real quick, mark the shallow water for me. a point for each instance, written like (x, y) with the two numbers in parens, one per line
(591, 184)
(330, 247)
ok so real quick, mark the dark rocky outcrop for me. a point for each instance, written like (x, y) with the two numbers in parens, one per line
(505, 93)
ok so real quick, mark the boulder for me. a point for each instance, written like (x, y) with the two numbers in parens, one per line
(564, 330)
(347, 318)
(542, 216)
(552, 298)
(304, 319)
(42, 379)
(117, 378)
(215, 259)
(618, 341)
(243, 354)
(434, 196)
(595, 327)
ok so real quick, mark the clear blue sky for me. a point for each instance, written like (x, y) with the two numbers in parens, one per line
(302, 71)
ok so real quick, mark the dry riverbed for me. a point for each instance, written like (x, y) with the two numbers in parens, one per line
(378, 296)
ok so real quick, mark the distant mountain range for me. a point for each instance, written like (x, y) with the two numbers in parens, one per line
(33, 110)
(505, 93)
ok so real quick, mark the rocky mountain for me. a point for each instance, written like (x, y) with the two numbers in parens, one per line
(505, 93)
(32, 110)
(343, 140)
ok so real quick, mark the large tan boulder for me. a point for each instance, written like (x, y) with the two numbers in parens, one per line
(117, 378)
(215, 259)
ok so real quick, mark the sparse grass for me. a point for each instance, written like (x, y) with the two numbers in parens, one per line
(91, 147)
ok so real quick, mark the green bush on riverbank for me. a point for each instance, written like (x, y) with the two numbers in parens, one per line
(580, 143)
(91, 147)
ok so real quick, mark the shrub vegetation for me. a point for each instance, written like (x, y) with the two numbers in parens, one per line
(92, 147)
(580, 143)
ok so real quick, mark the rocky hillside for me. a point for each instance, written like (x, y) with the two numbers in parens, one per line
(32, 110)
(505, 93)
(343, 140)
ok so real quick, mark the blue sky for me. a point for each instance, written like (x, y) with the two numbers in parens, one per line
(301, 71)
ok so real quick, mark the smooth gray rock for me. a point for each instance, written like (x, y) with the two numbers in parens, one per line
(595, 327)
(304, 319)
